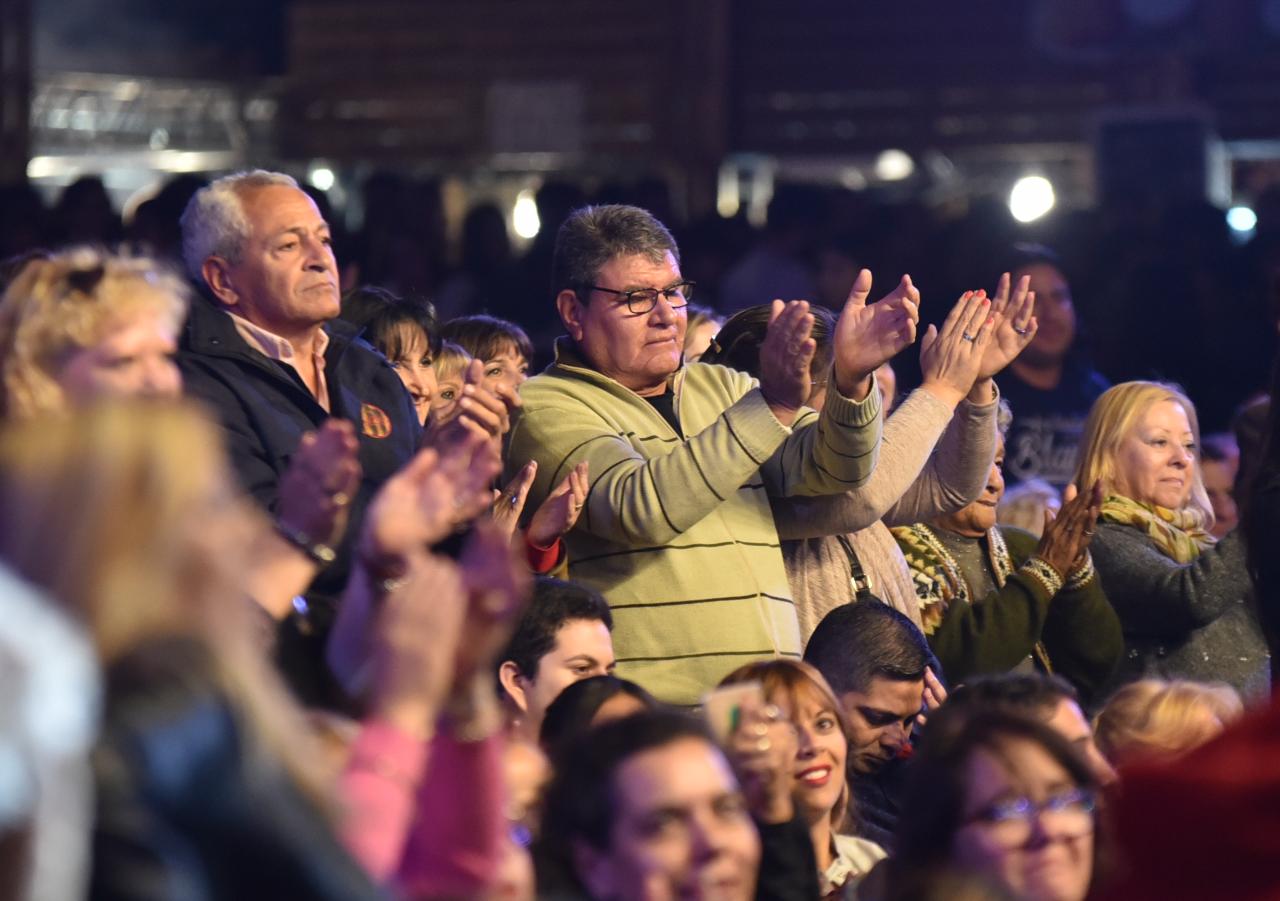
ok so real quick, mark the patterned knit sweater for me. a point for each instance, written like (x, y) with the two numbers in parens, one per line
(1069, 629)
(677, 531)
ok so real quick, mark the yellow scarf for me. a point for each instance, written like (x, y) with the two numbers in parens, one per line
(1179, 534)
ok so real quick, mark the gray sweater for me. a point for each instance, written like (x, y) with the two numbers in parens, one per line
(1188, 621)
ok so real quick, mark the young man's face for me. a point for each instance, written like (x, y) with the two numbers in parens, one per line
(583, 649)
(880, 721)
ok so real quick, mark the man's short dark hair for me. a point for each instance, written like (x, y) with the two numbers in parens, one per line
(856, 643)
(555, 602)
(580, 803)
(1034, 694)
(594, 235)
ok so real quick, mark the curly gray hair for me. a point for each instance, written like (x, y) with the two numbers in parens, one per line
(214, 224)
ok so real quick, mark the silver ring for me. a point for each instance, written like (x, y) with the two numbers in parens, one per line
(968, 337)
(515, 499)
(1021, 331)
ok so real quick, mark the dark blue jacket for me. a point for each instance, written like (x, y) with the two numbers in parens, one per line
(266, 408)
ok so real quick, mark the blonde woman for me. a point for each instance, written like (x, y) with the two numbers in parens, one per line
(821, 789)
(1184, 599)
(83, 324)
(1155, 718)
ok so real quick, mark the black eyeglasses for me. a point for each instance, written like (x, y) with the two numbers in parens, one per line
(642, 300)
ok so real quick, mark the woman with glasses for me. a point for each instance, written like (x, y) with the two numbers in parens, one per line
(998, 798)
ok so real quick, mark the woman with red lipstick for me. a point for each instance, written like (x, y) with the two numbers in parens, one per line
(821, 791)
(1184, 599)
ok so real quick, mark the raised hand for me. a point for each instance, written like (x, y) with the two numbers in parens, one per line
(415, 645)
(498, 585)
(786, 355)
(1016, 325)
(1066, 536)
(422, 503)
(481, 410)
(950, 357)
(560, 511)
(868, 335)
(509, 504)
(322, 478)
(763, 753)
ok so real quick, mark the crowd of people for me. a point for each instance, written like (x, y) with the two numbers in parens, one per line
(317, 590)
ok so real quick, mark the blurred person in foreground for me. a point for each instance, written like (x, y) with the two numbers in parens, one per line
(677, 533)
(650, 806)
(1184, 600)
(140, 497)
(1156, 718)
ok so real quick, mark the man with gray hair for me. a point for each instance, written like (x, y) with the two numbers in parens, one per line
(677, 531)
(270, 358)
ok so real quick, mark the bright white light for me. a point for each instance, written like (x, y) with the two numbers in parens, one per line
(524, 217)
(1242, 219)
(322, 177)
(1031, 197)
(894, 165)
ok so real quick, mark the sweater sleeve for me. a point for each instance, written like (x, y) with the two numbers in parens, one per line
(994, 634)
(957, 469)
(648, 502)
(638, 501)
(378, 788)
(909, 436)
(1083, 637)
(830, 452)
(1155, 596)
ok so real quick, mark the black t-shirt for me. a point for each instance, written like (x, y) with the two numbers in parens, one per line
(1044, 440)
(665, 404)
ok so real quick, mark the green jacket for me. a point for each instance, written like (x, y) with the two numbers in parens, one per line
(677, 532)
(1070, 630)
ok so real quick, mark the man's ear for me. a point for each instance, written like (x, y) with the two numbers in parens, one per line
(513, 684)
(595, 870)
(570, 309)
(217, 275)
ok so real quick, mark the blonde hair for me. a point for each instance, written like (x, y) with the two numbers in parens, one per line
(451, 360)
(1158, 718)
(794, 680)
(126, 516)
(69, 302)
(1113, 418)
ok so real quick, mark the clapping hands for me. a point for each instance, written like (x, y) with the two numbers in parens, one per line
(868, 335)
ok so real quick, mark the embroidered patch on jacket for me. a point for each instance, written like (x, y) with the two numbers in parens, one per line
(375, 422)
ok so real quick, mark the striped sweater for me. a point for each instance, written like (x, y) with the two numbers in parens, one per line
(677, 531)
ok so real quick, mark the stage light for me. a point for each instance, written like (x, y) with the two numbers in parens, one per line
(894, 165)
(524, 216)
(1242, 219)
(322, 177)
(1031, 197)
